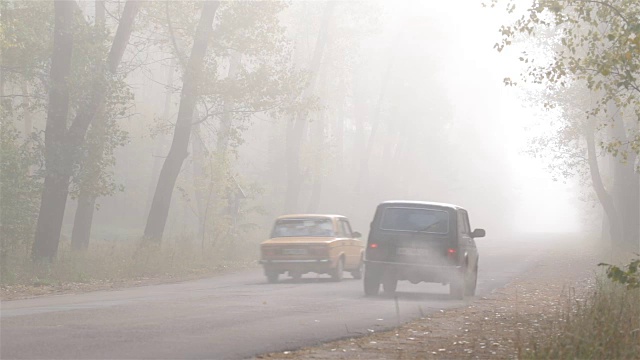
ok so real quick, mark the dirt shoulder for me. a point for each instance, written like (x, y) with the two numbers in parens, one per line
(497, 326)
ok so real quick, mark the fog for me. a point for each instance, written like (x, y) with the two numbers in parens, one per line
(363, 103)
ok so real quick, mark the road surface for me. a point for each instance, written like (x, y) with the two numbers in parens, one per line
(233, 316)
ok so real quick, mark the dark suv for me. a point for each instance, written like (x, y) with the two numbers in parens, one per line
(421, 241)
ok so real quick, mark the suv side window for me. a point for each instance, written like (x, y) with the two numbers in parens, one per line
(463, 223)
(466, 222)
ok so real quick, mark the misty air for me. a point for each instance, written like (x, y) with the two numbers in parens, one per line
(326, 179)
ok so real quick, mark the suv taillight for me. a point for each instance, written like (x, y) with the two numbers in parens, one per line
(451, 254)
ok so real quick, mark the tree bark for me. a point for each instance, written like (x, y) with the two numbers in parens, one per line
(179, 147)
(316, 188)
(363, 174)
(605, 199)
(56, 182)
(294, 137)
(159, 151)
(198, 148)
(82, 222)
(61, 149)
(626, 192)
(226, 119)
(100, 13)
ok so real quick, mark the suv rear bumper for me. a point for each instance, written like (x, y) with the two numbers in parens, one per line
(416, 272)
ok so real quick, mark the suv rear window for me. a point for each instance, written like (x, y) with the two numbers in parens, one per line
(302, 227)
(415, 219)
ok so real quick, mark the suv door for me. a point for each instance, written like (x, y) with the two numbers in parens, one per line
(466, 243)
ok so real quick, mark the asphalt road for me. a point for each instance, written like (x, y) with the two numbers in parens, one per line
(233, 316)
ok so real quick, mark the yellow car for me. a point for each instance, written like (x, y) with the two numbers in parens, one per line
(324, 244)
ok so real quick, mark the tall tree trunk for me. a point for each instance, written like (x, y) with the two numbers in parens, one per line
(226, 119)
(626, 192)
(100, 13)
(82, 222)
(364, 164)
(83, 219)
(159, 150)
(339, 126)
(317, 138)
(56, 182)
(179, 147)
(294, 137)
(27, 114)
(198, 149)
(605, 199)
(61, 145)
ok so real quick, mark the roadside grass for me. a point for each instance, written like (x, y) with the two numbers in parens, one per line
(603, 325)
(110, 262)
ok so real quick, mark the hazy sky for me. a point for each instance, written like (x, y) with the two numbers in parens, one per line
(476, 84)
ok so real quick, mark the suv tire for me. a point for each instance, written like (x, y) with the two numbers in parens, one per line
(272, 276)
(371, 281)
(457, 288)
(472, 283)
(389, 283)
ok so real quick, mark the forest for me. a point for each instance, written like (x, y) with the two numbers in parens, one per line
(145, 137)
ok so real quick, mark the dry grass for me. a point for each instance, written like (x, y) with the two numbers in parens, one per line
(605, 325)
(118, 264)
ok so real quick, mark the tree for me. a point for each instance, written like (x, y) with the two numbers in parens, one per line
(179, 147)
(300, 120)
(596, 44)
(62, 143)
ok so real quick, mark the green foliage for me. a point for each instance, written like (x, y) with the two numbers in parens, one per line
(19, 194)
(627, 275)
(25, 39)
(593, 42)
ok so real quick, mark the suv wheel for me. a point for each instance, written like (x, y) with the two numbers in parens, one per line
(389, 284)
(337, 273)
(272, 276)
(472, 282)
(296, 276)
(457, 287)
(371, 281)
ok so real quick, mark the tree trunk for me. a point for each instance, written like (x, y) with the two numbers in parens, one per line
(626, 192)
(364, 164)
(62, 145)
(197, 146)
(82, 222)
(605, 199)
(56, 182)
(339, 127)
(317, 137)
(227, 115)
(159, 150)
(294, 137)
(179, 147)
(100, 13)
(92, 171)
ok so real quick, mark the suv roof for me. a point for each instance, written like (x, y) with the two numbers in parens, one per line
(428, 203)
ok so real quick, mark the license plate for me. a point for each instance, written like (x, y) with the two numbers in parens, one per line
(294, 252)
(412, 251)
